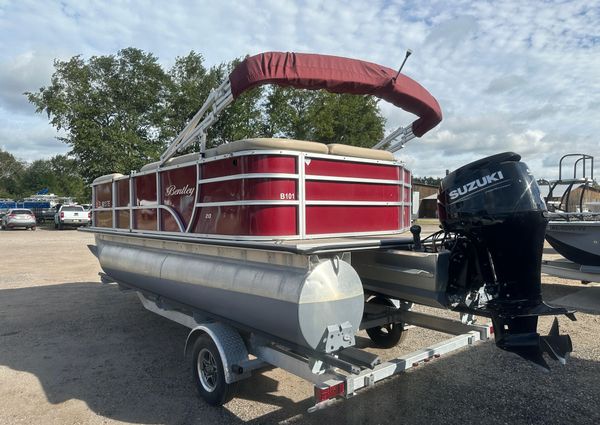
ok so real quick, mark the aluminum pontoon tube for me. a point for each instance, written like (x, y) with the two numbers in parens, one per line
(292, 297)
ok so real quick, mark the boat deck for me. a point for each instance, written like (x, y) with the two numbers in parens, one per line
(295, 246)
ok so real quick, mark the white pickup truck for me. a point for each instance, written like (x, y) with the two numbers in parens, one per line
(72, 216)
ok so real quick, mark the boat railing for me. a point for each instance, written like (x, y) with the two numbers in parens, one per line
(584, 164)
(582, 158)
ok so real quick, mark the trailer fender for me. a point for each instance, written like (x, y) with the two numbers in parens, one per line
(231, 347)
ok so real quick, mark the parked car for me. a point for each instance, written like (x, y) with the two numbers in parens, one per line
(18, 218)
(72, 216)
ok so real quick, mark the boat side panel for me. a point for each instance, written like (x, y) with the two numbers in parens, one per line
(322, 219)
(145, 219)
(247, 220)
(104, 195)
(343, 217)
(248, 165)
(103, 199)
(122, 187)
(122, 219)
(341, 191)
(178, 191)
(145, 189)
(326, 167)
(249, 189)
(145, 195)
(103, 218)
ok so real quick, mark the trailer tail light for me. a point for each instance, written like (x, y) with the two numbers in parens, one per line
(322, 394)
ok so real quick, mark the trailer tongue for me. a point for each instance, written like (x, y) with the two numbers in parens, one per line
(284, 249)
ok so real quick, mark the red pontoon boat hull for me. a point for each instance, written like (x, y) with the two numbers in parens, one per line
(259, 194)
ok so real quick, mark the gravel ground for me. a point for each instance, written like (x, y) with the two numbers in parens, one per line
(73, 350)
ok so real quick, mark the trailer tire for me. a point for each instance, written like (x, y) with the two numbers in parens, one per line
(389, 335)
(208, 373)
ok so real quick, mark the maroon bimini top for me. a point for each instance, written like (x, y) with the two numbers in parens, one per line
(338, 75)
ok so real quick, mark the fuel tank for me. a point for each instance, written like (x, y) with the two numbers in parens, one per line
(302, 299)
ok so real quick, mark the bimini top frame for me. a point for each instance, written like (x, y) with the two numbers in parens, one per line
(312, 72)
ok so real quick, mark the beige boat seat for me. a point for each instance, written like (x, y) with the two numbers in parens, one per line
(209, 153)
(357, 152)
(190, 157)
(271, 144)
(151, 166)
(107, 178)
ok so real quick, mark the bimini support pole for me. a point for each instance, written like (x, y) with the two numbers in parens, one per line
(389, 142)
(206, 116)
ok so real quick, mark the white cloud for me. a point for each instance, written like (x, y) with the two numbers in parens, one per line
(509, 75)
(29, 137)
(25, 72)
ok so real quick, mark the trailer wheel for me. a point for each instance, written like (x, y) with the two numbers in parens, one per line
(209, 377)
(386, 336)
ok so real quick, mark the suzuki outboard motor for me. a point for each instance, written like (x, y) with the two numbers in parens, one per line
(495, 211)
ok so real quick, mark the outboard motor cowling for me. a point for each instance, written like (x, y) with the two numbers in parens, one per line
(496, 212)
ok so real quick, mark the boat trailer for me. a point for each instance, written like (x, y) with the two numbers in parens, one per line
(216, 344)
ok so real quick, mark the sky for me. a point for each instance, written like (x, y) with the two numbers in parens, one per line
(520, 76)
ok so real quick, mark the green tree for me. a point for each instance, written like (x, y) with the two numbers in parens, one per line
(118, 112)
(189, 86)
(348, 119)
(288, 113)
(324, 117)
(111, 108)
(191, 83)
(432, 181)
(58, 174)
(38, 175)
(68, 180)
(11, 173)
